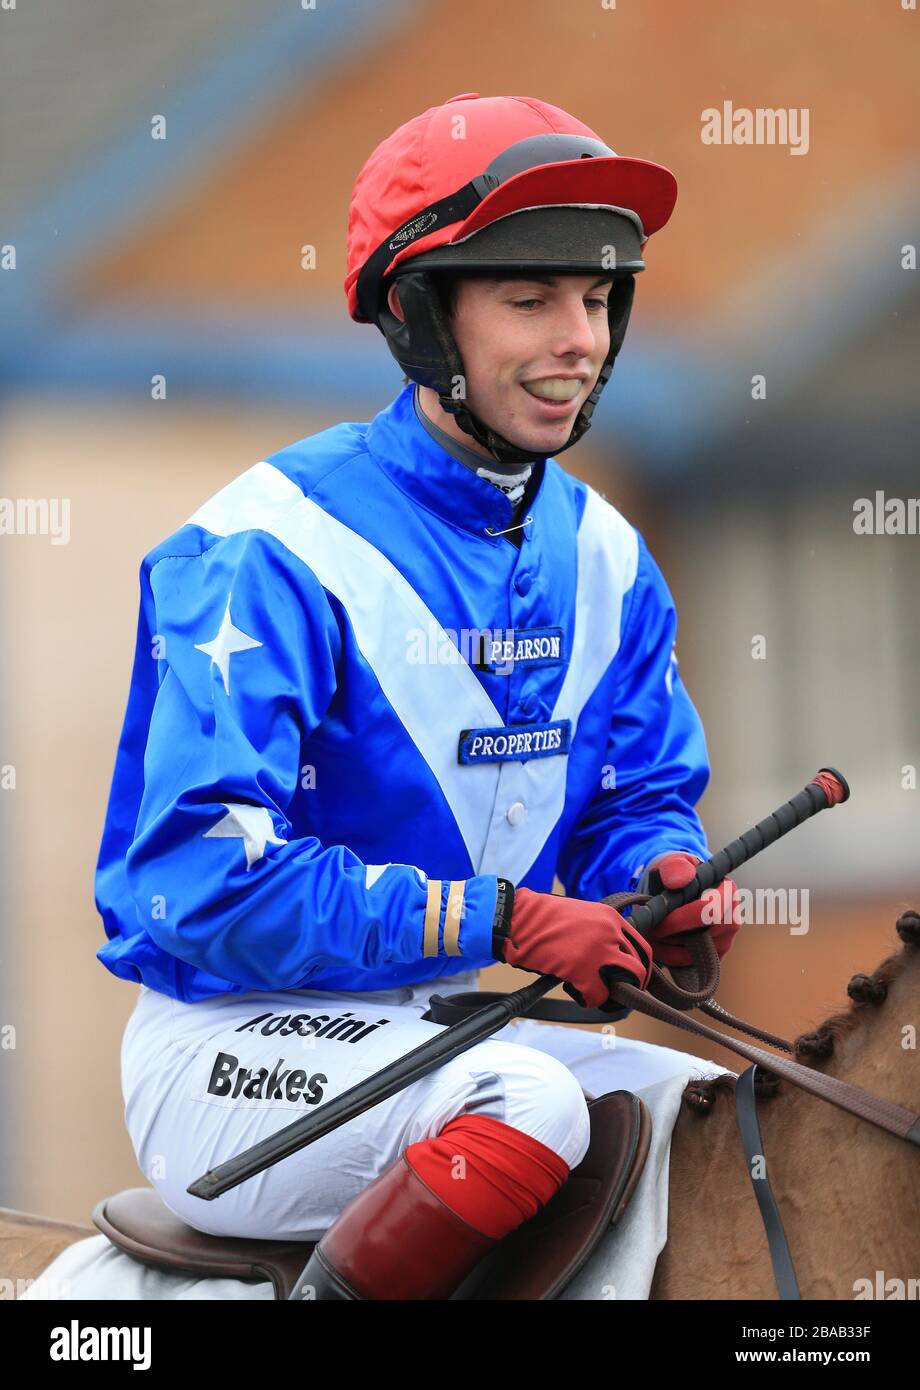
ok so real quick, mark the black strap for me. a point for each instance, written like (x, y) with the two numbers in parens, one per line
(452, 1008)
(749, 1125)
(456, 207)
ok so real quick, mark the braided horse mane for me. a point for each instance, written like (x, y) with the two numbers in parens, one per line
(811, 1049)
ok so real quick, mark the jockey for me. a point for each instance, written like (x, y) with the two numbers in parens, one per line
(388, 684)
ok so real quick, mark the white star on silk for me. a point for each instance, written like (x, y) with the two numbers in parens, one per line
(251, 824)
(229, 639)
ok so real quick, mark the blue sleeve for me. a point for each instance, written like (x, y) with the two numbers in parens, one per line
(657, 766)
(247, 647)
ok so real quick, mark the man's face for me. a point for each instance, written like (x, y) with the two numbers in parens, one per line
(532, 349)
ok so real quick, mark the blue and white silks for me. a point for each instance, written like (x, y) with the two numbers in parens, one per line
(352, 708)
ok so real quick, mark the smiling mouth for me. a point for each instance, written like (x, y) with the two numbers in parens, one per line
(557, 389)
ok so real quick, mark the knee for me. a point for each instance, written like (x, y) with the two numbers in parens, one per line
(544, 1099)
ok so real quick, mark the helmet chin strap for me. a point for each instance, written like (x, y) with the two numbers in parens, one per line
(424, 346)
(500, 448)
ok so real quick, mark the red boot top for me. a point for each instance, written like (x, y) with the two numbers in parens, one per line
(397, 1240)
(421, 1227)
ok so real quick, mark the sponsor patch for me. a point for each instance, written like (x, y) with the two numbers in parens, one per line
(343, 1028)
(502, 650)
(314, 1067)
(515, 742)
(230, 1080)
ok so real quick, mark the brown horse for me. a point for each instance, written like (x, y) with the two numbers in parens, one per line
(848, 1192)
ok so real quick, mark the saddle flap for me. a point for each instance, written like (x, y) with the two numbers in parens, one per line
(139, 1223)
(541, 1257)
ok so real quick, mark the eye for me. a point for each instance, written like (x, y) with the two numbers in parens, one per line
(523, 303)
(600, 305)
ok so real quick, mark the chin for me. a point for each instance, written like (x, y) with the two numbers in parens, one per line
(544, 439)
(551, 437)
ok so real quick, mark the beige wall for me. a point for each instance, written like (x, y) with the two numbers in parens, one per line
(69, 616)
(68, 624)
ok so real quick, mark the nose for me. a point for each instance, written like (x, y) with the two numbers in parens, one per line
(575, 330)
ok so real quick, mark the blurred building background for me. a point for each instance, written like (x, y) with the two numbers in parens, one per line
(127, 258)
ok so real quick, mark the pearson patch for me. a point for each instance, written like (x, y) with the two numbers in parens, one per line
(515, 742)
(502, 650)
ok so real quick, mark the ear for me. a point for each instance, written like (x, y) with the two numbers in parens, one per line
(393, 302)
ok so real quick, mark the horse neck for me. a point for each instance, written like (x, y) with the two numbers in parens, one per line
(846, 1185)
(847, 1191)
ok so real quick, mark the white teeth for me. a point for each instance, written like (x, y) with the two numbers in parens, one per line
(553, 388)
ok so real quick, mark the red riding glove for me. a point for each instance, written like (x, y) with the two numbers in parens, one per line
(719, 909)
(587, 945)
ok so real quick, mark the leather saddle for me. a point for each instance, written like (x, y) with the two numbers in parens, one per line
(536, 1261)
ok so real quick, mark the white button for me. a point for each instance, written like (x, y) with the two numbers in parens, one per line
(516, 813)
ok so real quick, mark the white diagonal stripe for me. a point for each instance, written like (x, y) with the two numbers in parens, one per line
(265, 499)
(252, 500)
(608, 559)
